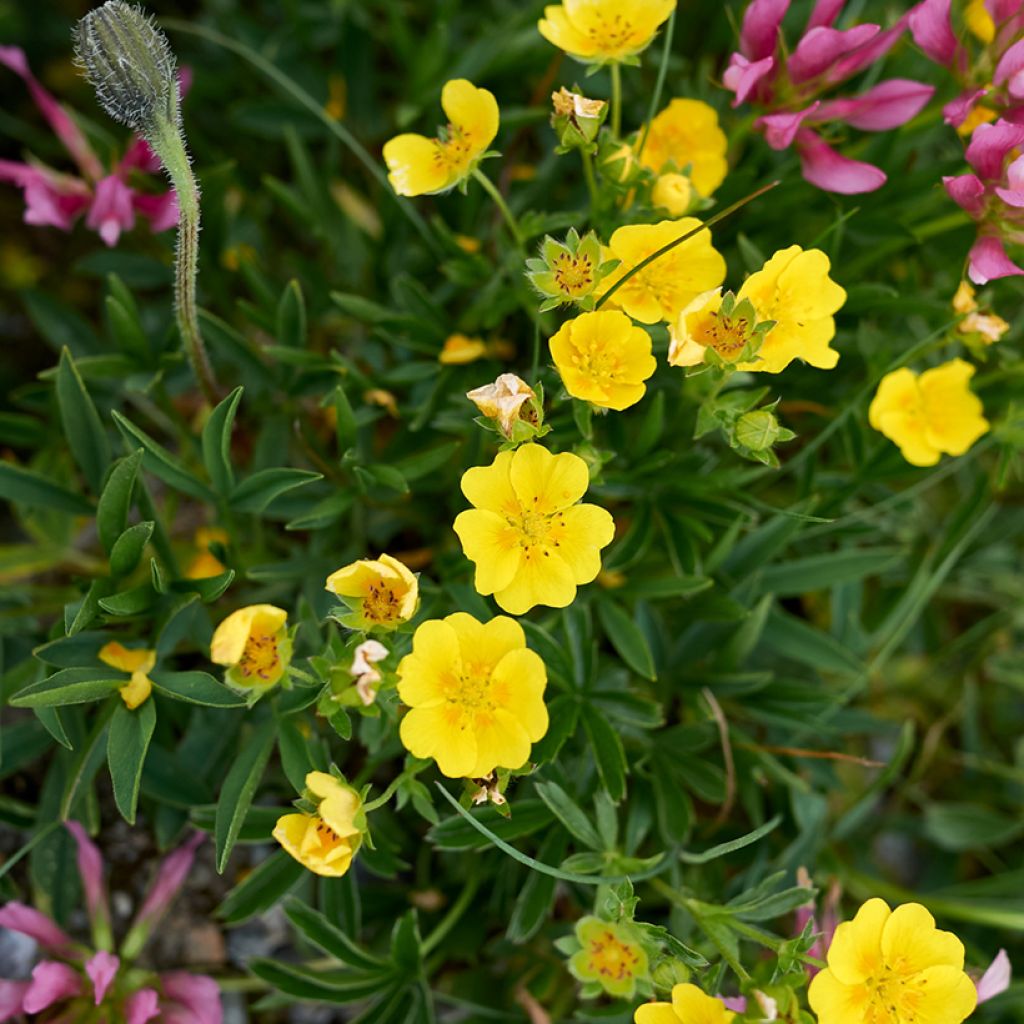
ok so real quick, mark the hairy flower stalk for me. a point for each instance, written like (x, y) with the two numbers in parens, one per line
(130, 64)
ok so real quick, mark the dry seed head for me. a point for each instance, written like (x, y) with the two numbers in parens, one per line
(130, 64)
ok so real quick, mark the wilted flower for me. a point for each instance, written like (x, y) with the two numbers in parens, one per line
(686, 137)
(512, 404)
(787, 83)
(137, 663)
(253, 644)
(367, 676)
(929, 415)
(976, 325)
(110, 199)
(604, 31)
(475, 693)
(577, 120)
(381, 593)
(420, 166)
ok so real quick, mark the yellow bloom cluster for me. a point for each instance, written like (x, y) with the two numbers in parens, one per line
(685, 136)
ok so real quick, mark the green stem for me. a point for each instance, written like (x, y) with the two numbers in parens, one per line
(457, 909)
(385, 796)
(658, 253)
(492, 190)
(588, 173)
(616, 72)
(169, 145)
(659, 84)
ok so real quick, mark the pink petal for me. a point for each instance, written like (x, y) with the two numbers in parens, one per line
(141, 1006)
(111, 211)
(989, 146)
(873, 50)
(51, 982)
(886, 105)
(932, 29)
(90, 867)
(824, 167)
(996, 979)
(987, 261)
(780, 129)
(825, 12)
(63, 127)
(735, 1003)
(1002, 10)
(743, 76)
(169, 879)
(11, 995)
(760, 32)
(51, 199)
(29, 921)
(160, 210)
(967, 191)
(955, 112)
(195, 992)
(1010, 70)
(822, 47)
(139, 157)
(102, 968)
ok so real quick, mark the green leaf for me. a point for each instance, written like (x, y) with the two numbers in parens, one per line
(196, 688)
(25, 487)
(345, 418)
(627, 638)
(128, 548)
(261, 889)
(608, 752)
(734, 844)
(328, 937)
(130, 602)
(256, 492)
(209, 588)
(820, 572)
(83, 430)
(161, 463)
(239, 787)
(216, 443)
(406, 943)
(127, 743)
(291, 317)
(569, 813)
(126, 329)
(69, 686)
(319, 986)
(965, 826)
(116, 499)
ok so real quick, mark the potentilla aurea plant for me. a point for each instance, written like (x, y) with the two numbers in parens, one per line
(792, 85)
(105, 195)
(993, 195)
(73, 982)
(986, 59)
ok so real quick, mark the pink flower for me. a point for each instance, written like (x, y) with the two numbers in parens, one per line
(12, 995)
(111, 211)
(831, 172)
(29, 921)
(90, 867)
(987, 261)
(195, 993)
(932, 29)
(995, 980)
(52, 982)
(141, 1006)
(101, 968)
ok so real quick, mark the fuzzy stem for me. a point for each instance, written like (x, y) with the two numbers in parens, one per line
(169, 145)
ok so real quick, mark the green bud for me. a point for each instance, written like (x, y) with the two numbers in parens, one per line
(569, 271)
(130, 64)
(757, 430)
(668, 973)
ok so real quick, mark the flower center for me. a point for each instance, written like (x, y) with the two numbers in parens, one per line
(724, 335)
(260, 657)
(611, 32)
(380, 603)
(609, 957)
(574, 275)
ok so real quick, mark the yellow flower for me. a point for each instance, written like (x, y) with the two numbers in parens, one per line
(327, 841)
(532, 544)
(138, 663)
(460, 349)
(611, 956)
(964, 301)
(504, 400)
(689, 1006)
(892, 967)
(253, 644)
(931, 414)
(603, 358)
(476, 694)
(382, 593)
(793, 289)
(979, 21)
(686, 134)
(673, 193)
(665, 286)
(597, 31)
(206, 563)
(420, 166)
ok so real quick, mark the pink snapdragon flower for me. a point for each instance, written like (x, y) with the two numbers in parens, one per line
(791, 86)
(106, 197)
(989, 71)
(72, 979)
(993, 195)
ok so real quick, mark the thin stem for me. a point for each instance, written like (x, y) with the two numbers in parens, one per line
(169, 145)
(588, 174)
(492, 190)
(616, 72)
(659, 85)
(457, 909)
(658, 253)
(386, 795)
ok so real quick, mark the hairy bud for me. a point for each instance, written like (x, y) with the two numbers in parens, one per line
(130, 64)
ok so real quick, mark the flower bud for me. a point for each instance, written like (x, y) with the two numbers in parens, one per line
(130, 64)
(512, 404)
(577, 120)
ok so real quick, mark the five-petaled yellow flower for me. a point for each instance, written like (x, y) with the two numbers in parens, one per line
(930, 414)
(325, 842)
(137, 662)
(603, 358)
(893, 967)
(420, 166)
(599, 31)
(476, 694)
(531, 542)
(253, 644)
(611, 955)
(689, 1006)
(666, 285)
(381, 592)
(686, 134)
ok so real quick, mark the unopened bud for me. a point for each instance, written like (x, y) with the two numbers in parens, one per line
(130, 64)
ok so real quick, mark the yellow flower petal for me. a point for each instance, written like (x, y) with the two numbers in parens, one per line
(856, 950)
(686, 133)
(231, 636)
(417, 166)
(126, 659)
(546, 483)
(425, 675)
(836, 1003)
(517, 686)
(137, 691)
(693, 1006)
(542, 578)
(953, 413)
(604, 30)
(473, 114)
(911, 942)
(656, 1013)
(490, 487)
(489, 541)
